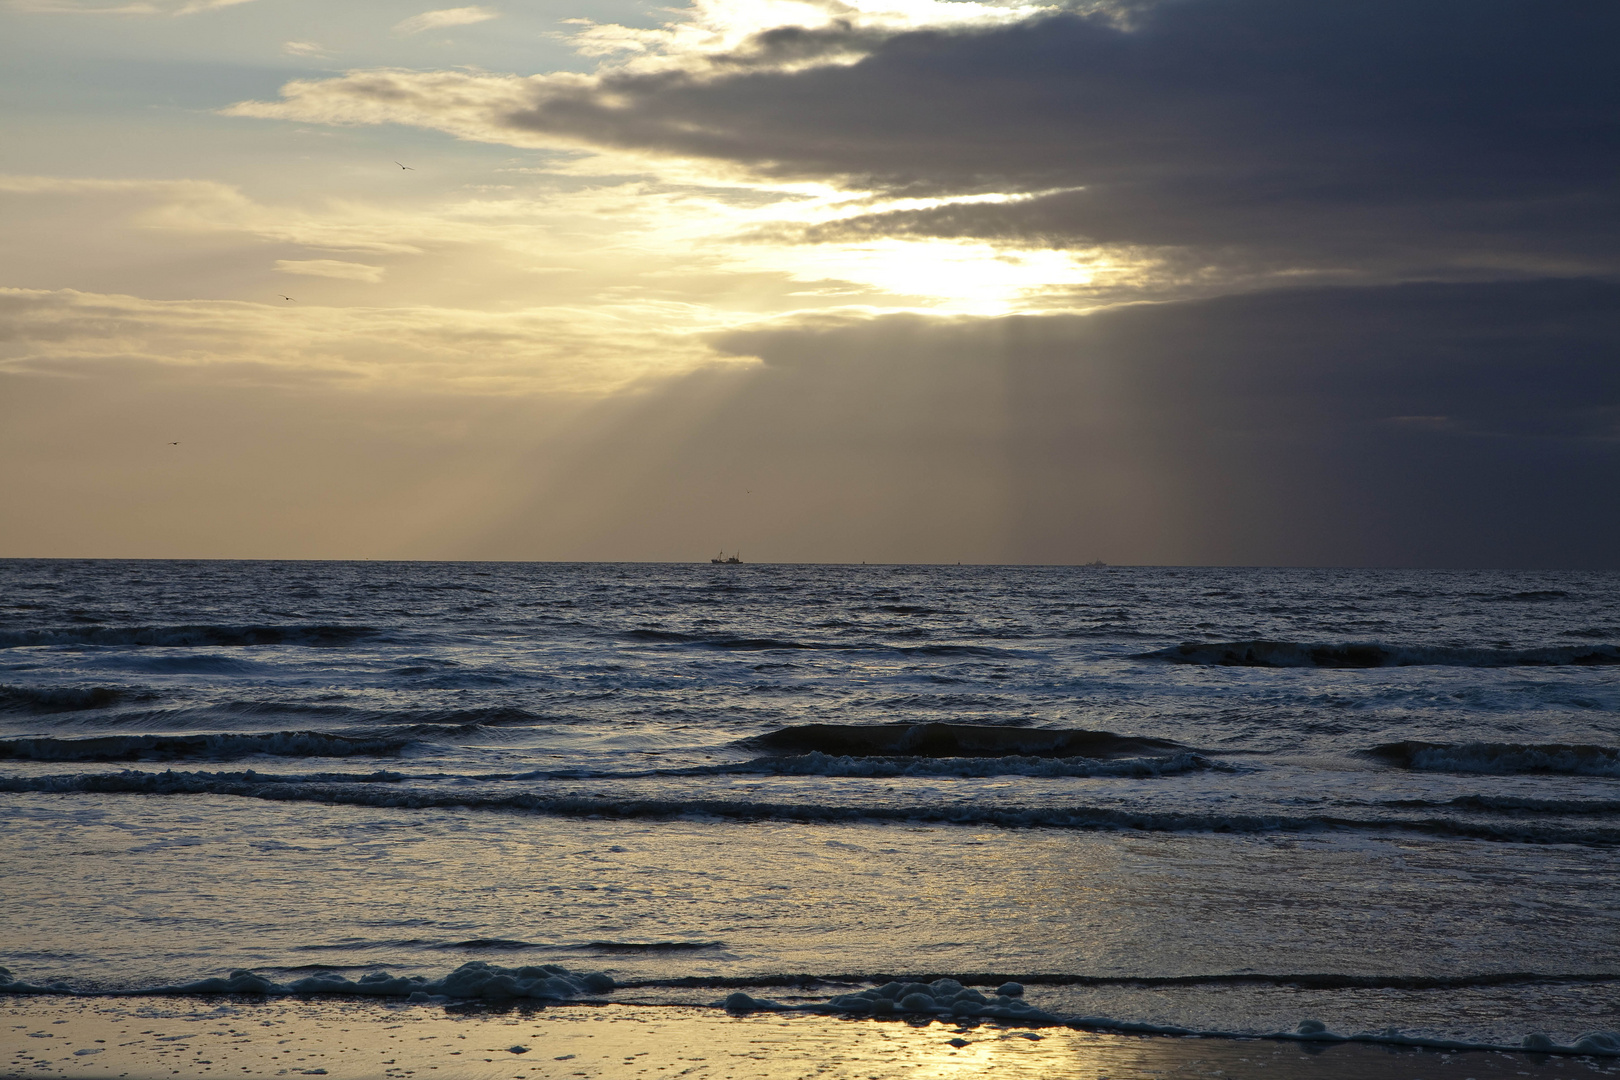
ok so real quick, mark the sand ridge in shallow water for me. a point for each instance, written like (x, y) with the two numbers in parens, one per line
(59, 1037)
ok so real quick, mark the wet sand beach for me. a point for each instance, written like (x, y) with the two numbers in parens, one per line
(192, 1037)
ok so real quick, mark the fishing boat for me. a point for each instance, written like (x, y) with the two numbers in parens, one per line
(722, 560)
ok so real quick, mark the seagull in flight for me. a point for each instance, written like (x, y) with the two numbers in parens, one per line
(408, 168)
(174, 444)
(284, 296)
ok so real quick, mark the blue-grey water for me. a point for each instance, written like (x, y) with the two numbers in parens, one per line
(1217, 798)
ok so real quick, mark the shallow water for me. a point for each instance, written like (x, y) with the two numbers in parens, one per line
(1220, 799)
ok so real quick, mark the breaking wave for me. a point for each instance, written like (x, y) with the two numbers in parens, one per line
(1501, 759)
(921, 997)
(318, 636)
(476, 980)
(954, 741)
(385, 790)
(1293, 654)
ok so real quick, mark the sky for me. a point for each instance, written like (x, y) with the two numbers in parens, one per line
(1232, 282)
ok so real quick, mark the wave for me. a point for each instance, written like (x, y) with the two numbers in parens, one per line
(635, 947)
(616, 947)
(384, 790)
(492, 943)
(816, 763)
(763, 644)
(1512, 804)
(170, 782)
(295, 744)
(51, 699)
(312, 635)
(179, 663)
(1293, 654)
(1293, 980)
(1501, 759)
(719, 641)
(954, 740)
(229, 712)
(487, 716)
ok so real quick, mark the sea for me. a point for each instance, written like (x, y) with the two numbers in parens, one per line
(1375, 802)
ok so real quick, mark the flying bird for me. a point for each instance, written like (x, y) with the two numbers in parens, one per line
(407, 167)
(174, 444)
(284, 296)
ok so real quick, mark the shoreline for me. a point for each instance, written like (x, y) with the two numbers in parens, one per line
(154, 1036)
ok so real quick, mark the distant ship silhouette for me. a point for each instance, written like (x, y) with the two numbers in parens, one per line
(735, 560)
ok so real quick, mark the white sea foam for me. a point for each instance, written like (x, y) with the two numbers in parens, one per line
(472, 980)
(943, 998)
(947, 998)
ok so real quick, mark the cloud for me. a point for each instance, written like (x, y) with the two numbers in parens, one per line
(332, 268)
(793, 34)
(575, 350)
(438, 20)
(1462, 138)
(302, 48)
(208, 206)
(137, 7)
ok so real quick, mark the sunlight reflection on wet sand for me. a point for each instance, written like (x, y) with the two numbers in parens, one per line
(242, 1037)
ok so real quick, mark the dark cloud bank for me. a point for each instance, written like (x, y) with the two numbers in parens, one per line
(1467, 136)
(1456, 161)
